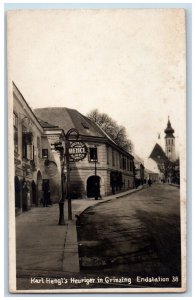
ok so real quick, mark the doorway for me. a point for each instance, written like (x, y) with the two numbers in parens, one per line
(39, 188)
(93, 186)
(34, 194)
(46, 192)
(17, 192)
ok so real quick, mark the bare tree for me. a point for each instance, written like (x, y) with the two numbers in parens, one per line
(117, 132)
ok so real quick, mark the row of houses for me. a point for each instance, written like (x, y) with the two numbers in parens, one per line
(40, 178)
(142, 174)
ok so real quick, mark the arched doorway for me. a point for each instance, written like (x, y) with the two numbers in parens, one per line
(34, 193)
(17, 192)
(93, 186)
(39, 188)
(25, 195)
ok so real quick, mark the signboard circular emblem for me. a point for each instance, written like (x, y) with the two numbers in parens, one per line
(50, 168)
(77, 151)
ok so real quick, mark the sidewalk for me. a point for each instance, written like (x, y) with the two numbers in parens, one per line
(44, 247)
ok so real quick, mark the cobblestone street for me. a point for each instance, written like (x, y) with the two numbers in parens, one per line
(136, 235)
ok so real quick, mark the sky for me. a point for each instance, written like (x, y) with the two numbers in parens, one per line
(128, 63)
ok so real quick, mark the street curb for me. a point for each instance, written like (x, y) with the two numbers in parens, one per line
(113, 198)
(70, 259)
(70, 254)
(175, 185)
(131, 192)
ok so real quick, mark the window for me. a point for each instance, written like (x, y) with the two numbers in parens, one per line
(45, 153)
(124, 163)
(128, 164)
(113, 158)
(27, 151)
(33, 153)
(15, 120)
(38, 146)
(85, 125)
(107, 151)
(121, 161)
(24, 143)
(15, 124)
(93, 154)
(131, 166)
(24, 150)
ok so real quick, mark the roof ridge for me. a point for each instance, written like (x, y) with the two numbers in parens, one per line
(52, 107)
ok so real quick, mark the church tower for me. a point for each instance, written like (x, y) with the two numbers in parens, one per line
(170, 142)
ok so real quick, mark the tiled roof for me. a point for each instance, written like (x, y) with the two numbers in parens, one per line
(138, 159)
(149, 171)
(67, 118)
(158, 154)
(45, 124)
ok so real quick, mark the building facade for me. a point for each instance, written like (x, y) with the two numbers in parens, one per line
(166, 162)
(40, 173)
(106, 164)
(153, 176)
(31, 156)
(139, 171)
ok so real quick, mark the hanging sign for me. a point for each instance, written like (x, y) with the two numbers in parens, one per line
(77, 151)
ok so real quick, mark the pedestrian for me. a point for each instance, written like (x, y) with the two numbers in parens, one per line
(49, 200)
(149, 182)
(45, 204)
(96, 190)
(113, 189)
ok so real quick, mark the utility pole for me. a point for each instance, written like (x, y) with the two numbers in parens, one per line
(96, 180)
(68, 179)
(65, 156)
(95, 166)
(59, 147)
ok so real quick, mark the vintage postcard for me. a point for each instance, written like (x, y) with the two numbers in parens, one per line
(97, 150)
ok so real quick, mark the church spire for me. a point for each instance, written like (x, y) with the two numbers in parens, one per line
(169, 141)
(169, 130)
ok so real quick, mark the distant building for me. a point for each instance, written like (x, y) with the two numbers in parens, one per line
(157, 161)
(151, 167)
(153, 176)
(165, 162)
(139, 170)
(170, 142)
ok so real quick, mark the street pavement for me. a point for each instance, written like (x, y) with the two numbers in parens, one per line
(140, 234)
(44, 247)
(132, 231)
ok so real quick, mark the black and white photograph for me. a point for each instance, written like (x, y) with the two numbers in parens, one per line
(97, 150)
